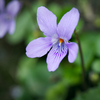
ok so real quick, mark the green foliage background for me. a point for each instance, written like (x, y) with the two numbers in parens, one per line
(23, 78)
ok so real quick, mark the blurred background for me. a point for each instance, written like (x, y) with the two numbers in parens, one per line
(23, 78)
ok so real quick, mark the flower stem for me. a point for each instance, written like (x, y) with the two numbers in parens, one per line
(82, 61)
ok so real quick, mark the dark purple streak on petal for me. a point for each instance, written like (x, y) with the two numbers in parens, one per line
(54, 58)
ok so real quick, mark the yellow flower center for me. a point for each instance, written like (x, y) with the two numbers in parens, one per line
(60, 41)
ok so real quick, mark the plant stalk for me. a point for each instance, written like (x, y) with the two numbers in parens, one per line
(82, 61)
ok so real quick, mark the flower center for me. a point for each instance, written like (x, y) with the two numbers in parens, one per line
(60, 41)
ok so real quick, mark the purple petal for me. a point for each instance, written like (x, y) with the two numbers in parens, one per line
(46, 21)
(11, 27)
(54, 58)
(13, 7)
(38, 47)
(3, 28)
(73, 50)
(2, 3)
(68, 23)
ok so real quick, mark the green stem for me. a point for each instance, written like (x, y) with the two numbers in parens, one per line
(82, 61)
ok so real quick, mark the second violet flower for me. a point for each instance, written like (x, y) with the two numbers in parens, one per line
(57, 37)
(7, 16)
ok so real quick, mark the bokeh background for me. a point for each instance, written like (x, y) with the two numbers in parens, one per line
(23, 78)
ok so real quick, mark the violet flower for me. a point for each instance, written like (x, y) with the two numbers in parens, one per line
(57, 37)
(7, 15)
